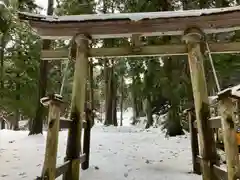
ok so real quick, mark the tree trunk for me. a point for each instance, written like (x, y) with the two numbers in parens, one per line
(91, 96)
(2, 124)
(17, 113)
(2, 47)
(140, 111)
(111, 95)
(114, 97)
(149, 112)
(114, 111)
(121, 101)
(37, 124)
(2, 62)
(106, 88)
(134, 103)
(134, 106)
(174, 126)
(108, 97)
(204, 4)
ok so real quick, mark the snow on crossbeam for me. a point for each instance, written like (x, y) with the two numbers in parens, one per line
(132, 16)
(125, 24)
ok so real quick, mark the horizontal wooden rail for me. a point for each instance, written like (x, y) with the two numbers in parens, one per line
(219, 171)
(64, 167)
(61, 169)
(160, 50)
(215, 122)
(66, 123)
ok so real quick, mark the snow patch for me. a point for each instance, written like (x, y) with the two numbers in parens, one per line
(137, 153)
(2, 5)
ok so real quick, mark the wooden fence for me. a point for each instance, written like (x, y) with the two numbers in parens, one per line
(228, 121)
(55, 123)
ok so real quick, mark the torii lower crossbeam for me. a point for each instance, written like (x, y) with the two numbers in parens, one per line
(160, 50)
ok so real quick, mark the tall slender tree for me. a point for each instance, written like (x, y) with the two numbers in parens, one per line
(37, 123)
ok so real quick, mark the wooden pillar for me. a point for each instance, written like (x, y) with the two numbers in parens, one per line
(49, 166)
(227, 110)
(208, 152)
(77, 108)
(194, 141)
(88, 117)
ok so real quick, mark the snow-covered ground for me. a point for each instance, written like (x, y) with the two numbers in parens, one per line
(117, 153)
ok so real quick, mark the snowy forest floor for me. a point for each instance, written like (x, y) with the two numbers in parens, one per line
(117, 153)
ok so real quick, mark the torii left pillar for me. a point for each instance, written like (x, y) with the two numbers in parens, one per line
(77, 108)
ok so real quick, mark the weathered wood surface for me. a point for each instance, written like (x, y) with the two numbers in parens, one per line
(66, 123)
(61, 169)
(227, 111)
(207, 145)
(59, 28)
(89, 117)
(220, 172)
(160, 50)
(49, 166)
(194, 142)
(214, 122)
(77, 109)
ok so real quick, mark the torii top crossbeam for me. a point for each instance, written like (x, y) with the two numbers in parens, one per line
(125, 24)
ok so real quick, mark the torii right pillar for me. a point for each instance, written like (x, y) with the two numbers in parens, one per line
(193, 38)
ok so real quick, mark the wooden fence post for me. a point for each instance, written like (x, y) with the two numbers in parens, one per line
(227, 110)
(193, 38)
(77, 108)
(194, 141)
(86, 139)
(49, 166)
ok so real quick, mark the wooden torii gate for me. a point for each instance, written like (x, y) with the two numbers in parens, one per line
(192, 25)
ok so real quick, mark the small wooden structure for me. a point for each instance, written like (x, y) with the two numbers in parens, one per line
(192, 25)
(227, 100)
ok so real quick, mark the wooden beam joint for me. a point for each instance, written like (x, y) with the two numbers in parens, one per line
(193, 35)
(52, 98)
(186, 111)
